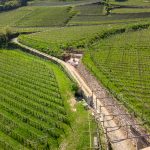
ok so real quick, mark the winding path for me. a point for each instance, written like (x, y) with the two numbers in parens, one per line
(73, 73)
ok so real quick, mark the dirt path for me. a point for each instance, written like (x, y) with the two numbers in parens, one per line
(118, 134)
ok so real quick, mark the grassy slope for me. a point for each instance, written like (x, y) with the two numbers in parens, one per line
(83, 127)
(95, 14)
(131, 10)
(58, 39)
(11, 17)
(79, 119)
(59, 16)
(131, 2)
(47, 16)
(56, 2)
(123, 68)
(27, 17)
(87, 13)
(14, 18)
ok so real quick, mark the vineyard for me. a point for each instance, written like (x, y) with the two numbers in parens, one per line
(75, 75)
(122, 64)
(34, 110)
(130, 2)
(129, 10)
(118, 74)
(95, 14)
(54, 41)
(32, 114)
(50, 16)
(87, 14)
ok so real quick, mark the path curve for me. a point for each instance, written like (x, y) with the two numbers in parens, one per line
(73, 73)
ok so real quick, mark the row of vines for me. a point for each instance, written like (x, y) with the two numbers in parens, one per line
(122, 64)
(32, 112)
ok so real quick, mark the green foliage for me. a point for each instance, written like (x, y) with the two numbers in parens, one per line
(58, 39)
(5, 35)
(99, 13)
(9, 4)
(132, 11)
(32, 110)
(83, 126)
(121, 63)
(130, 2)
(55, 41)
(27, 17)
(74, 87)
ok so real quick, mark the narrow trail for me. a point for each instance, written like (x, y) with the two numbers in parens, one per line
(74, 73)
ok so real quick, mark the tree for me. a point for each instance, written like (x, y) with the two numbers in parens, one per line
(108, 7)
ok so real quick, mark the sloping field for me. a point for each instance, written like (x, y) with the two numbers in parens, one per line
(27, 17)
(55, 41)
(121, 61)
(59, 2)
(122, 64)
(32, 110)
(96, 14)
(131, 2)
(131, 10)
(91, 9)
(9, 18)
(58, 39)
(87, 14)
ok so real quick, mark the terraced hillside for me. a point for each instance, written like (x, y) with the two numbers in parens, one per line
(88, 14)
(27, 17)
(131, 11)
(54, 41)
(38, 107)
(96, 14)
(89, 35)
(59, 2)
(122, 64)
(32, 110)
(131, 2)
(35, 110)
